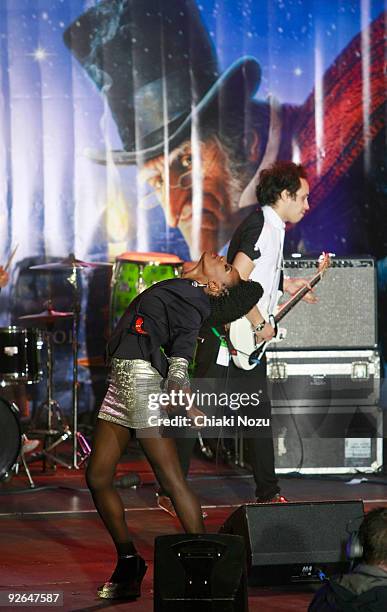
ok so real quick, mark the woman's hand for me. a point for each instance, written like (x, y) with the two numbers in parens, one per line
(194, 413)
(177, 398)
(181, 402)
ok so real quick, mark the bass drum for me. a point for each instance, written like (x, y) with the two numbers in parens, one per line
(10, 436)
(134, 272)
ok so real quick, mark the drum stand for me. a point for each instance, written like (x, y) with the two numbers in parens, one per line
(51, 405)
(54, 411)
(22, 460)
(76, 436)
(79, 455)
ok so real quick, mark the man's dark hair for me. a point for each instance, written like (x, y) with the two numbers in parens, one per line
(373, 536)
(235, 303)
(279, 176)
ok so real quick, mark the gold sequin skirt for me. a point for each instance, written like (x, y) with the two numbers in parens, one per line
(131, 397)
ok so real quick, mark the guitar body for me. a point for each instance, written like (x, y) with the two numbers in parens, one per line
(241, 336)
(242, 339)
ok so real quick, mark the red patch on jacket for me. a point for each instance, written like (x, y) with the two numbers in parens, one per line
(138, 326)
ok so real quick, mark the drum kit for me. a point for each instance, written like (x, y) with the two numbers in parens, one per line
(134, 272)
(21, 348)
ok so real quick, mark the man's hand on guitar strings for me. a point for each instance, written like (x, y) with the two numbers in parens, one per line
(293, 285)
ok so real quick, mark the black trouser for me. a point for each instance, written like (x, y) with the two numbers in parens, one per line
(259, 444)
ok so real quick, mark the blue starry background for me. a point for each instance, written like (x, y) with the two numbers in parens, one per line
(43, 81)
(282, 35)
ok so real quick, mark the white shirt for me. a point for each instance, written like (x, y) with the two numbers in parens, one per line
(267, 268)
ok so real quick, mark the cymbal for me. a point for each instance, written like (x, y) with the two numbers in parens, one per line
(92, 362)
(69, 263)
(46, 317)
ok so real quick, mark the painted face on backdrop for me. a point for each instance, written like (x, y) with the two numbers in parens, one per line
(209, 180)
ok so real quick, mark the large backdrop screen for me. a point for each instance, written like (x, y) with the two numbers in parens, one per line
(142, 125)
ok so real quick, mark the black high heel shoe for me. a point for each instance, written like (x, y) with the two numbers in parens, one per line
(130, 588)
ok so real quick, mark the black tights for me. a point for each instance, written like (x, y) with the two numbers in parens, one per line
(109, 443)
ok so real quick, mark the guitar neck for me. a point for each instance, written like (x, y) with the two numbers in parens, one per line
(296, 298)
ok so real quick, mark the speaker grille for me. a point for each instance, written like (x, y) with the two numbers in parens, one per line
(313, 533)
(344, 317)
(299, 532)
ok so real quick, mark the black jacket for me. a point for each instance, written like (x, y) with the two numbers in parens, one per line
(172, 312)
(363, 590)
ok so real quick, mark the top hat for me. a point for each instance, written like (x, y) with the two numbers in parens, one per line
(156, 65)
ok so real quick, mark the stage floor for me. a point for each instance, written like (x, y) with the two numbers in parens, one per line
(52, 538)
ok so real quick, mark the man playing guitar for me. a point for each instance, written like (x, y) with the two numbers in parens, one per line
(256, 250)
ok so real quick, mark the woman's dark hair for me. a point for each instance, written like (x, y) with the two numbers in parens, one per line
(279, 176)
(234, 304)
(373, 536)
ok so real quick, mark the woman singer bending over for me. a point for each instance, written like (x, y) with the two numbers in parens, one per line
(166, 316)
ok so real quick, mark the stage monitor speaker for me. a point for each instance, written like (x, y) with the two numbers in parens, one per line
(200, 573)
(293, 542)
(344, 316)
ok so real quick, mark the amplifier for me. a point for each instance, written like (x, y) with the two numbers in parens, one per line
(323, 440)
(345, 315)
(323, 378)
(325, 412)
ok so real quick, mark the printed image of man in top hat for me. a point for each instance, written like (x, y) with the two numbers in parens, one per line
(200, 140)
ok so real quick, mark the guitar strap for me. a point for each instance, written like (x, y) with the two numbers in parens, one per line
(225, 338)
(231, 349)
